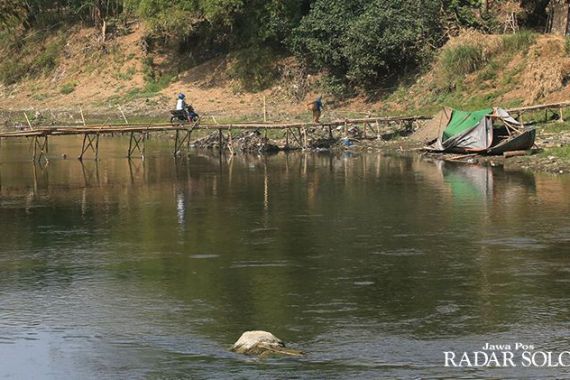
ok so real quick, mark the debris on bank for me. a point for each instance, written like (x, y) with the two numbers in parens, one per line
(245, 142)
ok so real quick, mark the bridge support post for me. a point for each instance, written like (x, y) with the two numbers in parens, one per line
(221, 140)
(182, 140)
(230, 141)
(378, 135)
(40, 148)
(90, 141)
(136, 142)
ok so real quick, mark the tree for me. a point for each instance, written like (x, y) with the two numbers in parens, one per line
(364, 41)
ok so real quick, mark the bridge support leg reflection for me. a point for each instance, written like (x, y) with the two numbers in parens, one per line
(136, 143)
(40, 148)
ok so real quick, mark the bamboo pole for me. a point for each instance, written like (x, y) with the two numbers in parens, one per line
(82, 117)
(28, 120)
(124, 117)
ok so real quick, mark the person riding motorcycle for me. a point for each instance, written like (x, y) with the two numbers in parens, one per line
(186, 108)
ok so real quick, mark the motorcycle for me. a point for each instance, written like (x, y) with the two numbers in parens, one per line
(180, 116)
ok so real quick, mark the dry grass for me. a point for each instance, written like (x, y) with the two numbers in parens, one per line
(546, 70)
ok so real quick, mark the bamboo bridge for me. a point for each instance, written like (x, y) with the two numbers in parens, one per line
(297, 133)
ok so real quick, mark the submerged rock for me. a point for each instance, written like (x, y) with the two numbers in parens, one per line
(262, 343)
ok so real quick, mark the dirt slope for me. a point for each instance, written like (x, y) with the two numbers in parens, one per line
(101, 76)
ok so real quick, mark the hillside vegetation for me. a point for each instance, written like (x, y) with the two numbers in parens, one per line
(380, 56)
(476, 71)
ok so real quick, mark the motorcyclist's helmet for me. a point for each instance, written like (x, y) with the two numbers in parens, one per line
(181, 96)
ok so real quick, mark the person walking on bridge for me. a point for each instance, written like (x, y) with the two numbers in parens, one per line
(316, 107)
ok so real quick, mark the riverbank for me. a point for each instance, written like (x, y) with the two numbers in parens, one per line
(550, 154)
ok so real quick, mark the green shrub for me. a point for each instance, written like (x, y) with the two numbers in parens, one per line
(489, 72)
(11, 71)
(46, 61)
(127, 75)
(157, 85)
(254, 68)
(67, 88)
(567, 45)
(461, 60)
(336, 87)
(518, 42)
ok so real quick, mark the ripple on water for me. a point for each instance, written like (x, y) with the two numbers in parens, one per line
(400, 252)
(262, 230)
(260, 264)
(516, 243)
(363, 283)
(204, 256)
(447, 309)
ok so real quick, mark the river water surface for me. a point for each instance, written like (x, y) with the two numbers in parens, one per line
(374, 265)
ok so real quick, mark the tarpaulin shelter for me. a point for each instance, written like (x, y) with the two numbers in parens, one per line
(462, 131)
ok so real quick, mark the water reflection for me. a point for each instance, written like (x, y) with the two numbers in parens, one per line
(342, 254)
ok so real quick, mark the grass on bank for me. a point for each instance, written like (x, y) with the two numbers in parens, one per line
(471, 74)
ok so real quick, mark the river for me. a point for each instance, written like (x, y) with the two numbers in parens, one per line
(373, 264)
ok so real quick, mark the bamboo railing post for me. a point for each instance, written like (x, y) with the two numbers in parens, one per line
(123, 114)
(28, 120)
(82, 118)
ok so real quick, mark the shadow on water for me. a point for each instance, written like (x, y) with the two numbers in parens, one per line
(342, 254)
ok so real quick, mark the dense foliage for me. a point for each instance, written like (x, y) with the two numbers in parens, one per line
(365, 40)
(357, 42)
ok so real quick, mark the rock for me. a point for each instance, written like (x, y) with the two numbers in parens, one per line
(262, 343)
